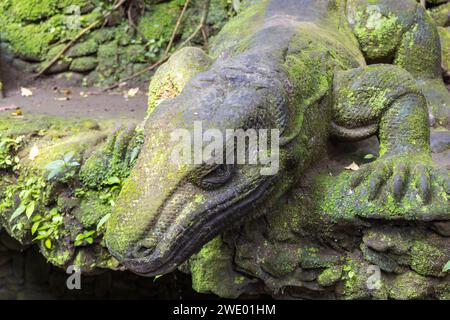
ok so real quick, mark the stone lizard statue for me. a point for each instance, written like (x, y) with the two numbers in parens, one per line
(314, 69)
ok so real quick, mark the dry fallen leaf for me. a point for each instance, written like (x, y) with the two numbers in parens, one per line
(132, 92)
(67, 92)
(17, 113)
(25, 92)
(353, 167)
(34, 152)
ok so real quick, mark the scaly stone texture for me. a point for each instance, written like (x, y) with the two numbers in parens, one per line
(61, 178)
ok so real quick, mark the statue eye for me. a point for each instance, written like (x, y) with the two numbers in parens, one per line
(216, 178)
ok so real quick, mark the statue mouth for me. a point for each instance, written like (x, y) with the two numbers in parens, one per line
(150, 265)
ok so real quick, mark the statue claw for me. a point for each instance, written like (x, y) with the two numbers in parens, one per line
(401, 175)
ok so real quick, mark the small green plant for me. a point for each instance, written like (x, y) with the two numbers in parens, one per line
(103, 221)
(114, 185)
(446, 268)
(30, 195)
(84, 238)
(46, 227)
(154, 48)
(138, 143)
(8, 149)
(62, 169)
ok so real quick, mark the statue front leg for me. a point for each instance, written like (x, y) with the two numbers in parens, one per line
(384, 100)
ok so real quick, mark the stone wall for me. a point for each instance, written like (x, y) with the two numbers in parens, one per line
(32, 33)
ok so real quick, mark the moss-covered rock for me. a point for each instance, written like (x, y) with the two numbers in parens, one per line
(409, 286)
(441, 15)
(330, 276)
(83, 64)
(444, 34)
(212, 271)
(85, 48)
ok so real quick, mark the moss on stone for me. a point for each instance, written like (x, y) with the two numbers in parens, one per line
(330, 276)
(30, 42)
(107, 57)
(343, 203)
(427, 259)
(85, 48)
(409, 286)
(281, 261)
(171, 77)
(239, 28)
(60, 255)
(444, 34)
(440, 14)
(83, 64)
(37, 10)
(354, 278)
(212, 271)
(158, 23)
(113, 160)
(92, 209)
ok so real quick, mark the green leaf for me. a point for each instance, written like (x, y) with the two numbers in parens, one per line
(35, 227)
(30, 209)
(21, 209)
(40, 237)
(446, 267)
(103, 220)
(36, 218)
(236, 5)
(74, 164)
(90, 240)
(24, 194)
(52, 174)
(369, 156)
(57, 219)
(57, 164)
(112, 181)
(114, 188)
(79, 237)
(134, 154)
(89, 233)
(48, 243)
(68, 156)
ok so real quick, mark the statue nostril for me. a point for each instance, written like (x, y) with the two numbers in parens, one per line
(142, 250)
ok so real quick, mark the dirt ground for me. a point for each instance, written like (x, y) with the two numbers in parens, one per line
(58, 97)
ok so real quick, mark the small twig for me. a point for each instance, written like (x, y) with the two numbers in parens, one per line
(133, 24)
(116, 6)
(177, 26)
(200, 25)
(205, 39)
